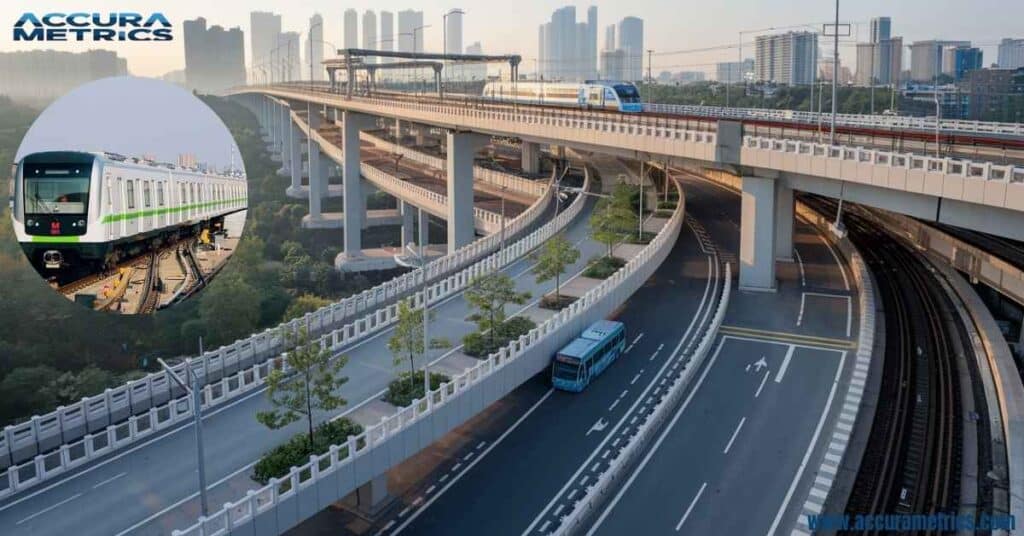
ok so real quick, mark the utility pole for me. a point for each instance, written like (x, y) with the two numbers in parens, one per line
(835, 76)
(197, 419)
(650, 79)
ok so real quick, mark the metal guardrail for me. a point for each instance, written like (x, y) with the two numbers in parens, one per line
(852, 120)
(327, 476)
(46, 446)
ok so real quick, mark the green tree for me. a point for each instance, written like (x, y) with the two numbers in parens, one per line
(489, 294)
(407, 342)
(28, 390)
(614, 218)
(555, 256)
(308, 385)
(231, 307)
(306, 303)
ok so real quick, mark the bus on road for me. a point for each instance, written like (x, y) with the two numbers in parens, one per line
(588, 355)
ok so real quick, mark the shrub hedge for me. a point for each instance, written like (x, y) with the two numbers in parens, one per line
(296, 452)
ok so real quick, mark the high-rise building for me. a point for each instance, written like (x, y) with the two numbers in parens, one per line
(956, 60)
(881, 28)
(880, 60)
(631, 41)
(789, 58)
(567, 49)
(288, 54)
(370, 33)
(734, 72)
(315, 48)
(387, 31)
(1011, 53)
(264, 27)
(410, 31)
(926, 58)
(613, 64)
(609, 37)
(187, 160)
(993, 93)
(350, 34)
(453, 33)
(24, 79)
(214, 57)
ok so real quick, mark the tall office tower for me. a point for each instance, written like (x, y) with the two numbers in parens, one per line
(410, 31)
(789, 58)
(263, 27)
(734, 72)
(609, 37)
(370, 33)
(1011, 54)
(590, 67)
(957, 60)
(351, 29)
(453, 25)
(926, 58)
(214, 57)
(289, 56)
(881, 28)
(387, 31)
(613, 64)
(542, 51)
(315, 48)
(631, 41)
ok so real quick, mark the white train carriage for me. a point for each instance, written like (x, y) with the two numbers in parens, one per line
(592, 94)
(94, 209)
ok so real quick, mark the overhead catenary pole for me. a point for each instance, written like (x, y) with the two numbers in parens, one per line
(835, 78)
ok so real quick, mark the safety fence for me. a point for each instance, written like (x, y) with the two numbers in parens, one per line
(286, 501)
(70, 436)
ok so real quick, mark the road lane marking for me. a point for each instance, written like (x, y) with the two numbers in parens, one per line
(637, 339)
(702, 313)
(690, 508)
(431, 489)
(635, 378)
(781, 337)
(800, 262)
(483, 455)
(455, 467)
(616, 403)
(810, 448)
(661, 438)
(111, 479)
(598, 426)
(800, 315)
(49, 508)
(735, 433)
(559, 509)
(545, 526)
(785, 364)
(763, 379)
(846, 282)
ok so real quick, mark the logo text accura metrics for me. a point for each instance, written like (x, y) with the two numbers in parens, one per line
(80, 26)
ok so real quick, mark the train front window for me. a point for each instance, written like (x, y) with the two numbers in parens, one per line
(627, 93)
(57, 188)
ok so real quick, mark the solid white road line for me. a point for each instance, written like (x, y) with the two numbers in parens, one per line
(800, 315)
(846, 282)
(735, 433)
(700, 313)
(690, 508)
(763, 379)
(810, 447)
(48, 508)
(785, 364)
(661, 438)
(471, 465)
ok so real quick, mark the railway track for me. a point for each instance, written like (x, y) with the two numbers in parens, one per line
(912, 461)
(150, 298)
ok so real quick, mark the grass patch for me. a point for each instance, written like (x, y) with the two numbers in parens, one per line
(603, 267)
(645, 238)
(296, 452)
(481, 345)
(402, 391)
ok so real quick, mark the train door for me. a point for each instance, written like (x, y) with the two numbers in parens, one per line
(161, 203)
(107, 208)
(146, 217)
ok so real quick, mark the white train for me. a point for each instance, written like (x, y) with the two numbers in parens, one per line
(93, 209)
(592, 94)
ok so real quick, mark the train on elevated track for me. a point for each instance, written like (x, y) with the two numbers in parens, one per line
(83, 210)
(590, 95)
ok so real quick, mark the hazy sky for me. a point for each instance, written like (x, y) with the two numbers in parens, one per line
(503, 26)
(134, 117)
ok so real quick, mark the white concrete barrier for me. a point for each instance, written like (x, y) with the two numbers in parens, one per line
(286, 501)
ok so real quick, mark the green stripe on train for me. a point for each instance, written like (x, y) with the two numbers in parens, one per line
(110, 218)
(55, 239)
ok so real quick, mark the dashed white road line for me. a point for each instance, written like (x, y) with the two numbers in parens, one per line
(763, 379)
(785, 364)
(735, 433)
(49, 508)
(109, 480)
(690, 508)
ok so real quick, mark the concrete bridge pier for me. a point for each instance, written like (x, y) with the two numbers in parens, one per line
(352, 195)
(281, 139)
(423, 228)
(759, 229)
(408, 222)
(286, 142)
(316, 180)
(264, 107)
(531, 157)
(295, 157)
(462, 148)
(783, 222)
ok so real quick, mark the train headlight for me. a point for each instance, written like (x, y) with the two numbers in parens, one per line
(81, 223)
(30, 223)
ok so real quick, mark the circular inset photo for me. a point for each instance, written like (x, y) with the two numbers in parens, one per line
(129, 195)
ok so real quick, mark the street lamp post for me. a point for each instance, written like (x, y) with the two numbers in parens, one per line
(422, 260)
(414, 30)
(835, 75)
(197, 420)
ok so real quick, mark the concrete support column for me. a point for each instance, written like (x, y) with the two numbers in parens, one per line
(315, 180)
(423, 226)
(531, 157)
(373, 495)
(295, 159)
(354, 204)
(757, 234)
(283, 118)
(408, 222)
(462, 147)
(421, 136)
(783, 222)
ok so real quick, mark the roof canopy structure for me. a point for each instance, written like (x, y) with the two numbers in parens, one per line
(351, 60)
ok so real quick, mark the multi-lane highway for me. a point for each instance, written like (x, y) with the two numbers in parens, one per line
(742, 435)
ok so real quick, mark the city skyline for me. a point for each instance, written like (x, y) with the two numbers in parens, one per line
(706, 25)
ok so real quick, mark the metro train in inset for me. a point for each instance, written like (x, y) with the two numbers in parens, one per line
(591, 95)
(92, 210)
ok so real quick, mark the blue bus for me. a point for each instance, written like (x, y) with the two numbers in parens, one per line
(588, 355)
